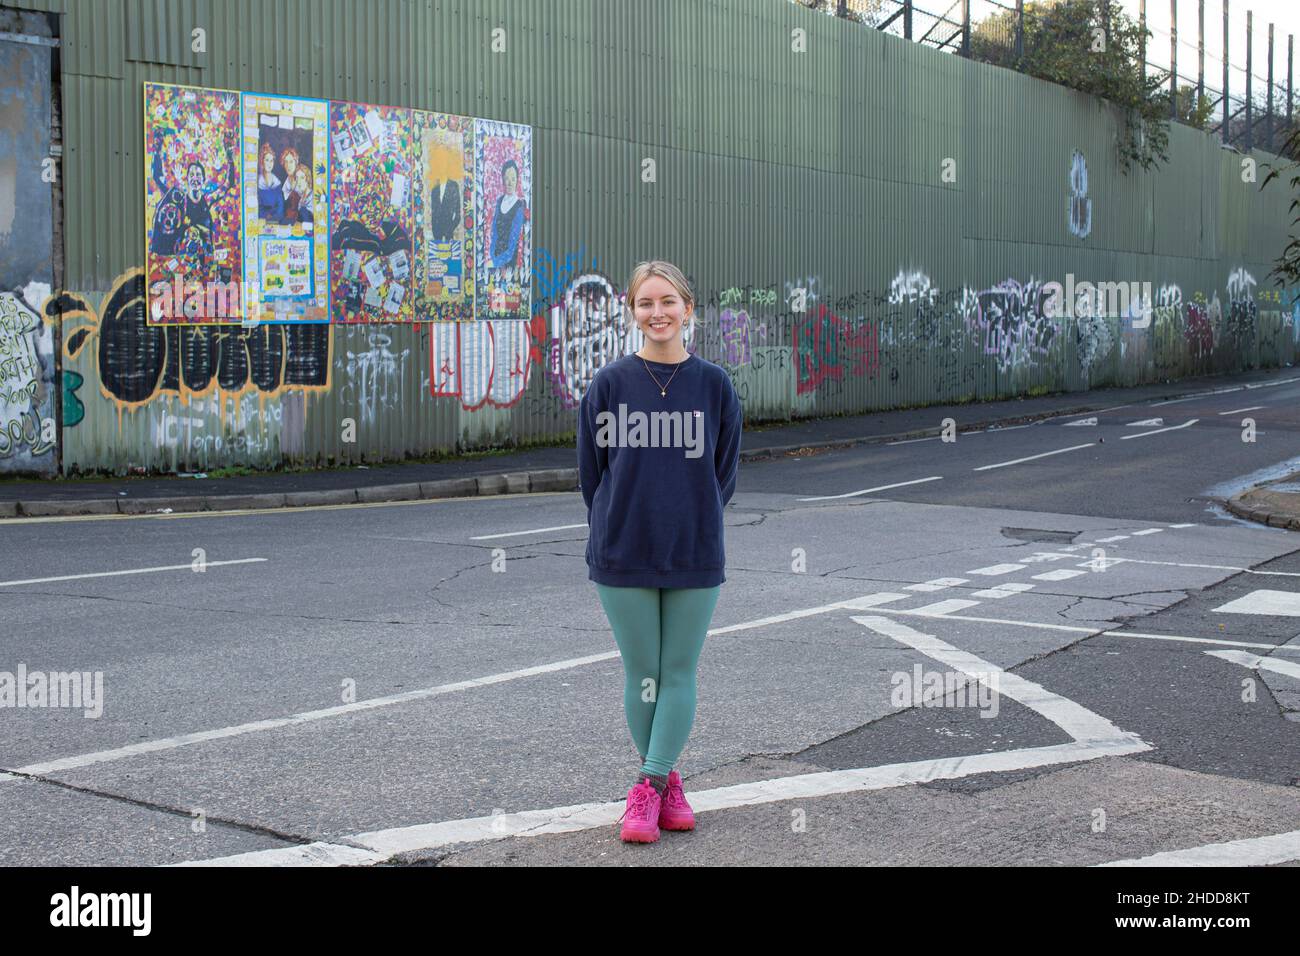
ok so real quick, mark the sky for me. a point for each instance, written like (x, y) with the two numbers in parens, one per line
(1283, 14)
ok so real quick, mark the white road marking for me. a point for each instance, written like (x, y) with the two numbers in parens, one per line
(1254, 851)
(938, 584)
(1264, 601)
(112, 574)
(1238, 411)
(381, 845)
(1112, 538)
(1147, 423)
(1255, 662)
(867, 491)
(1060, 574)
(183, 740)
(511, 534)
(1189, 524)
(1102, 563)
(1111, 631)
(1003, 590)
(859, 603)
(995, 569)
(941, 608)
(1076, 720)
(1039, 557)
(1016, 461)
(1082, 421)
(1215, 567)
(1160, 431)
(1138, 534)
(1094, 737)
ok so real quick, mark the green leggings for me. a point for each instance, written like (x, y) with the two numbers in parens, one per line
(660, 633)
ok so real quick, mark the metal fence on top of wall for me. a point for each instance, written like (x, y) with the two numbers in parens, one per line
(867, 223)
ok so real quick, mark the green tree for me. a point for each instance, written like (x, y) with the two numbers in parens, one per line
(1286, 268)
(1094, 47)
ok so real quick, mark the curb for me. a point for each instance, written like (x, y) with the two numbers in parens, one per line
(1274, 519)
(510, 483)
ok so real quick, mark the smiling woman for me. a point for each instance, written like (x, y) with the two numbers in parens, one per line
(655, 551)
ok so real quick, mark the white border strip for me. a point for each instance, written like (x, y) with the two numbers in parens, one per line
(1256, 851)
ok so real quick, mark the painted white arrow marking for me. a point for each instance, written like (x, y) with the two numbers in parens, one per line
(1147, 423)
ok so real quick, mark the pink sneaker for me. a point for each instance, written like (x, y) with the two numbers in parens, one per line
(675, 813)
(640, 816)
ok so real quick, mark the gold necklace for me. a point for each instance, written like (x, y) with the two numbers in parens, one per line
(663, 389)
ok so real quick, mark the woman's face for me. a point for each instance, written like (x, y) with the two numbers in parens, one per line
(290, 164)
(659, 310)
(268, 162)
(511, 179)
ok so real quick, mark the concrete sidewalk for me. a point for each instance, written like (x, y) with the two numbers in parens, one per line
(553, 468)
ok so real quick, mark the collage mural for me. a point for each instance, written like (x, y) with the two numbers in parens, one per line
(311, 263)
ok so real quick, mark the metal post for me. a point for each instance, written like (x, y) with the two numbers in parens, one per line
(1142, 38)
(1226, 137)
(965, 28)
(1020, 31)
(1268, 122)
(1173, 58)
(1200, 53)
(1250, 123)
(907, 19)
(1290, 48)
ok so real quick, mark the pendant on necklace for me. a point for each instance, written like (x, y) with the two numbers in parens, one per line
(663, 393)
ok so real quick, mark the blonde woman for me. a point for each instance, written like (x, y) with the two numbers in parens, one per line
(658, 452)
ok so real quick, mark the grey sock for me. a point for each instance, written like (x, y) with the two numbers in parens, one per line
(659, 783)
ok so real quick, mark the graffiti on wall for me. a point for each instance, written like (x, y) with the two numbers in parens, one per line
(590, 327)
(1079, 206)
(138, 361)
(1243, 312)
(192, 203)
(27, 427)
(286, 208)
(1010, 322)
(826, 346)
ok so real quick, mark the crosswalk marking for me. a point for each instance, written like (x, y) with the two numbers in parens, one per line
(946, 607)
(1003, 591)
(1264, 601)
(1060, 574)
(938, 584)
(996, 569)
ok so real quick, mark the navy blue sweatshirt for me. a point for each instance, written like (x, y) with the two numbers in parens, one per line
(655, 485)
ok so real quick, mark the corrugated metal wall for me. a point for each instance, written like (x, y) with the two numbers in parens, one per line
(919, 200)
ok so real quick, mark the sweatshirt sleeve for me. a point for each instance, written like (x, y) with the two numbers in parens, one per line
(727, 456)
(592, 459)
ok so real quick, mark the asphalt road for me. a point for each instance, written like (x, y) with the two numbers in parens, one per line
(435, 681)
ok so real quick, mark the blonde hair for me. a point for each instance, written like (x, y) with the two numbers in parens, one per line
(664, 270)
